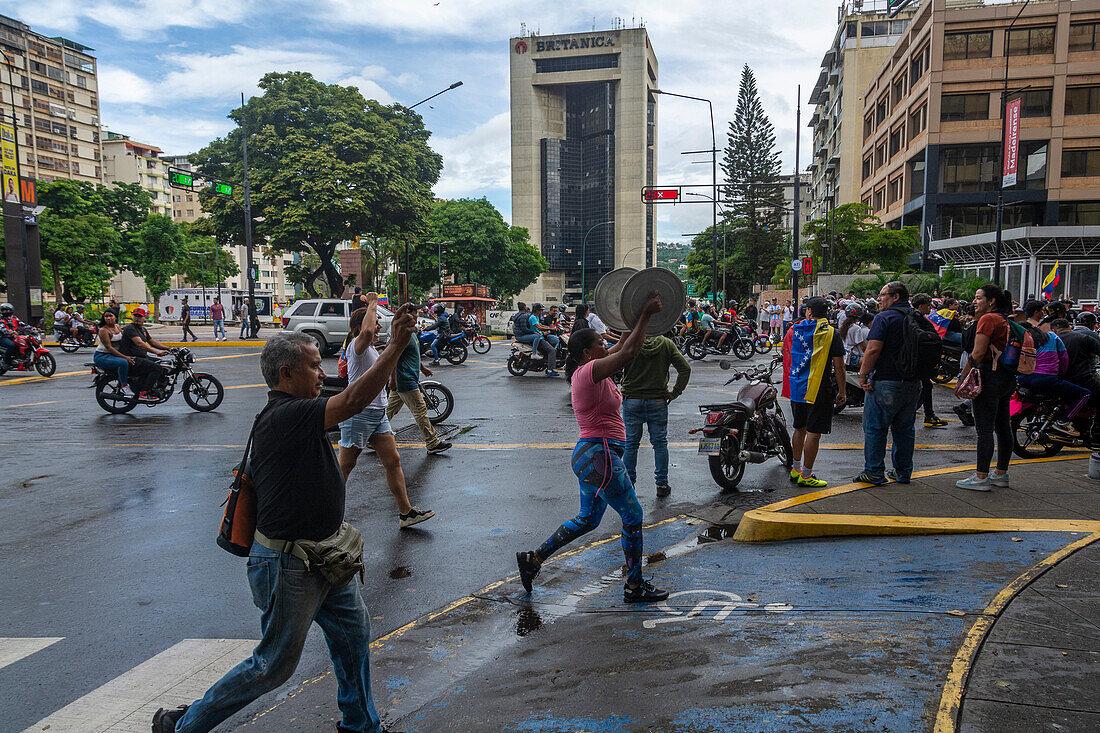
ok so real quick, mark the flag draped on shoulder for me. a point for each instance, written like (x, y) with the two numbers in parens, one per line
(805, 359)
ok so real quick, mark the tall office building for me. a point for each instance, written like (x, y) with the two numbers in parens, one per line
(864, 39)
(584, 129)
(56, 103)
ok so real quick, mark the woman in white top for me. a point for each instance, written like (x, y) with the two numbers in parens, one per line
(107, 355)
(854, 334)
(371, 427)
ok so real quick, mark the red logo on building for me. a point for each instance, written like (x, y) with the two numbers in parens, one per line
(521, 46)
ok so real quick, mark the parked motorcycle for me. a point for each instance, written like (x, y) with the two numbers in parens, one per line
(476, 340)
(202, 392)
(948, 367)
(521, 360)
(751, 429)
(454, 350)
(69, 343)
(1032, 414)
(29, 354)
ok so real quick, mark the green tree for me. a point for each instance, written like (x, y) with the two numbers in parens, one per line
(158, 246)
(751, 166)
(741, 265)
(325, 166)
(861, 242)
(481, 247)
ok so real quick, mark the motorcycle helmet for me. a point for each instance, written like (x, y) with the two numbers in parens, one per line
(1086, 319)
(438, 310)
(6, 310)
(855, 310)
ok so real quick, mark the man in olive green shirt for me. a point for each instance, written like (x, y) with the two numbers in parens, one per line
(645, 402)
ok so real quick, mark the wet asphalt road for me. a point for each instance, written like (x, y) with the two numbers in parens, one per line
(108, 521)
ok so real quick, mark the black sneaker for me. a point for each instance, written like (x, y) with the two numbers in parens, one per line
(415, 516)
(663, 489)
(528, 568)
(439, 447)
(644, 593)
(164, 721)
(965, 416)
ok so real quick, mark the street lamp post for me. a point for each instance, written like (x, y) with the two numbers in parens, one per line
(439, 260)
(453, 86)
(584, 256)
(714, 187)
(1001, 188)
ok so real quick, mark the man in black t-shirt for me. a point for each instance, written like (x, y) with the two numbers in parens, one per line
(1083, 348)
(299, 496)
(137, 343)
(812, 420)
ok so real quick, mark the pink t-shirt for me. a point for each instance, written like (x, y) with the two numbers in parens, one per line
(597, 405)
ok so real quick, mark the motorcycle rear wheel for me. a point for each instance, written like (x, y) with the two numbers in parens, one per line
(1034, 447)
(69, 345)
(45, 364)
(762, 345)
(743, 349)
(109, 395)
(439, 400)
(517, 365)
(482, 344)
(457, 353)
(726, 468)
(203, 392)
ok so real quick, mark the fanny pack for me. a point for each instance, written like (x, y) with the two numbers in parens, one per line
(338, 557)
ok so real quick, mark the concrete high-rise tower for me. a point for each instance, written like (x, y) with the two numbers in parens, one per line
(584, 134)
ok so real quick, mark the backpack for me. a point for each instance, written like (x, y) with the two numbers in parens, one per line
(918, 355)
(1019, 354)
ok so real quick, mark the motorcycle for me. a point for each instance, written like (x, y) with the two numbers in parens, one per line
(202, 392)
(521, 360)
(761, 342)
(478, 341)
(949, 364)
(69, 343)
(29, 353)
(454, 350)
(854, 392)
(1031, 416)
(437, 397)
(751, 429)
(741, 346)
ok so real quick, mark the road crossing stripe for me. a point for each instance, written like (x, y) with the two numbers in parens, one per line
(177, 676)
(14, 649)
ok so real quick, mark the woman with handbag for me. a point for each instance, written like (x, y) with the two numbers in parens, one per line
(990, 389)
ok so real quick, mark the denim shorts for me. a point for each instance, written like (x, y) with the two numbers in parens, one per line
(357, 430)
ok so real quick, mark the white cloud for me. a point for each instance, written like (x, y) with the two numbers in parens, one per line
(167, 132)
(476, 162)
(122, 86)
(135, 20)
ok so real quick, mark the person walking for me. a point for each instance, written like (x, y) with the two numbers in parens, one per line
(992, 307)
(244, 318)
(645, 403)
(892, 397)
(217, 315)
(405, 390)
(371, 427)
(922, 303)
(813, 368)
(185, 320)
(597, 459)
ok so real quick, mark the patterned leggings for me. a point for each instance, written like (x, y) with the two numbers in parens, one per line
(603, 482)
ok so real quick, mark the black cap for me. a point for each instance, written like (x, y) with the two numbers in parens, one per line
(817, 307)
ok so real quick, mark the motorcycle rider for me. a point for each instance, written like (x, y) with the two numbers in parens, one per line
(442, 328)
(1082, 349)
(137, 343)
(9, 328)
(532, 332)
(82, 327)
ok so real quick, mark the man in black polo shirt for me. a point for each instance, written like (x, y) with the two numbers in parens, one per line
(299, 496)
(137, 343)
(892, 397)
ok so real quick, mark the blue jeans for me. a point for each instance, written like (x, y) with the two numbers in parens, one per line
(440, 340)
(891, 406)
(653, 414)
(603, 482)
(8, 346)
(244, 325)
(291, 599)
(219, 325)
(103, 360)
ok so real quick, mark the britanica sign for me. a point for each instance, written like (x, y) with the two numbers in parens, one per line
(577, 42)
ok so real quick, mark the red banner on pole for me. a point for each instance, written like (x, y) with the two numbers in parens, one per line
(1012, 142)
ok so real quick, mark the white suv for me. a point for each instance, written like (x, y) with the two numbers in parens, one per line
(326, 321)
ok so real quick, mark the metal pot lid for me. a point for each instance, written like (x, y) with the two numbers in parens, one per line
(637, 291)
(607, 297)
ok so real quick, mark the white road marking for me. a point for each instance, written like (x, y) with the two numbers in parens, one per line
(177, 676)
(12, 650)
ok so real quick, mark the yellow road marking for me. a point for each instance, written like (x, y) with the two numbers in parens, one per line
(228, 356)
(246, 386)
(34, 404)
(28, 380)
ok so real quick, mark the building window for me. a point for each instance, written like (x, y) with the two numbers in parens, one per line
(880, 156)
(1032, 166)
(1083, 100)
(1079, 213)
(1082, 37)
(894, 191)
(896, 136)
(868, 125)
(178, 213)
(190, 212)
(1081, 162)
(898, 90)
(1035, 103)
(881, 111)
(1030, 41)
(918, 121)
(880, 199)
(190, 197)
(867, 167)
(872, 28)
(966, 168)
(577, 63)
(919, 64)
(967, 45)
(916, 177)
(958, 107)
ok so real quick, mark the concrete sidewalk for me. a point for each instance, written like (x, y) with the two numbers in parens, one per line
(900, 633)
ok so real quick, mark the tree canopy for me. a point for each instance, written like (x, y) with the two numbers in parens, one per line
(861, 242)
(743, 260)
(325, 165)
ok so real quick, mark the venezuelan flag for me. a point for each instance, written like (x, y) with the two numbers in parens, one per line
(805, 359)
(384, 300)
(939, 322)
(1052, 279)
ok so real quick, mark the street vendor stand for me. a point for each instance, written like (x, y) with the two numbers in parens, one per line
(474, 298)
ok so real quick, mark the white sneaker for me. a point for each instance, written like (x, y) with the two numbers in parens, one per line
(127, 391)
(974, 483)
(1001, 482)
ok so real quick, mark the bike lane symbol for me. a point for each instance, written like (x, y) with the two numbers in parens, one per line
(724, 602)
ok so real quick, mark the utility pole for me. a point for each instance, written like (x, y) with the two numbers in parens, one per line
(1001, 188)
(247, 219)
(794, 239)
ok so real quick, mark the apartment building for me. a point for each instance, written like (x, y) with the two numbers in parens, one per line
(864, 39)
(130, 161)
(54, 97)
(932, 158)
(805, 199)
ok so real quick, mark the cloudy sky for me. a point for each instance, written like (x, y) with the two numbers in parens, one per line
(170, 70)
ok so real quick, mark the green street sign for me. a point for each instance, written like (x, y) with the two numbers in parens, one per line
(180, 179)
(223, 188)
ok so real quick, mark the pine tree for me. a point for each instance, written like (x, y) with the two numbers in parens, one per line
(752, 168)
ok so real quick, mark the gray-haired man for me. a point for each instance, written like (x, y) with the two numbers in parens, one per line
(299, 496)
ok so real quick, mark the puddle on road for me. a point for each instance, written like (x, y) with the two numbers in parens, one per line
(400, 572)
(527, 621)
